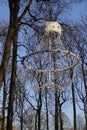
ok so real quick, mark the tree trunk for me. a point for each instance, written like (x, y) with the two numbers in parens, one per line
(39, 110)
(60, 114)
(21, 118)
(36, 121)
(14, 9)
(11, 39)
(47, 118)
(85, 86)
(6, 55)
(3, 107)
(12, 83)
(85, 113)
(74, 107)
(56, 110)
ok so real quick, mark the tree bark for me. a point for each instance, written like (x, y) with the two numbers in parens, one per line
(56, 110)
(74, 107)
(21, 120)
(60, 115)
(6, 54)
(3, 107)
(14, 9)
(47, 118)
(36, 121)
(12, 83)
(85, 86)
(39, 110)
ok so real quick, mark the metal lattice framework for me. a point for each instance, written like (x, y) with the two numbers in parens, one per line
(53, 66)
(51, 73)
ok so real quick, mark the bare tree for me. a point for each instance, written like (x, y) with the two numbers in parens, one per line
(13, 26)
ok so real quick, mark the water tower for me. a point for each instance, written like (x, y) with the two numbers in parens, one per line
(52, 66)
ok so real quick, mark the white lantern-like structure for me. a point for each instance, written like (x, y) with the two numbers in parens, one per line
(52, 27)
(51, 36)
(51, 64)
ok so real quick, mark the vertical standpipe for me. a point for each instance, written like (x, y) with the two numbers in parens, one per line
(51, 40)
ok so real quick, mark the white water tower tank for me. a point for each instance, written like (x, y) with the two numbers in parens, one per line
(52, 27)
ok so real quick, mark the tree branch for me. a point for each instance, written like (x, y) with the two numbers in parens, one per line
(25, 10)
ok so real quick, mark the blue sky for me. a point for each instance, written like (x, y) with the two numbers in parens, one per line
(75, 14)
(4, 11)
(78, 11)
